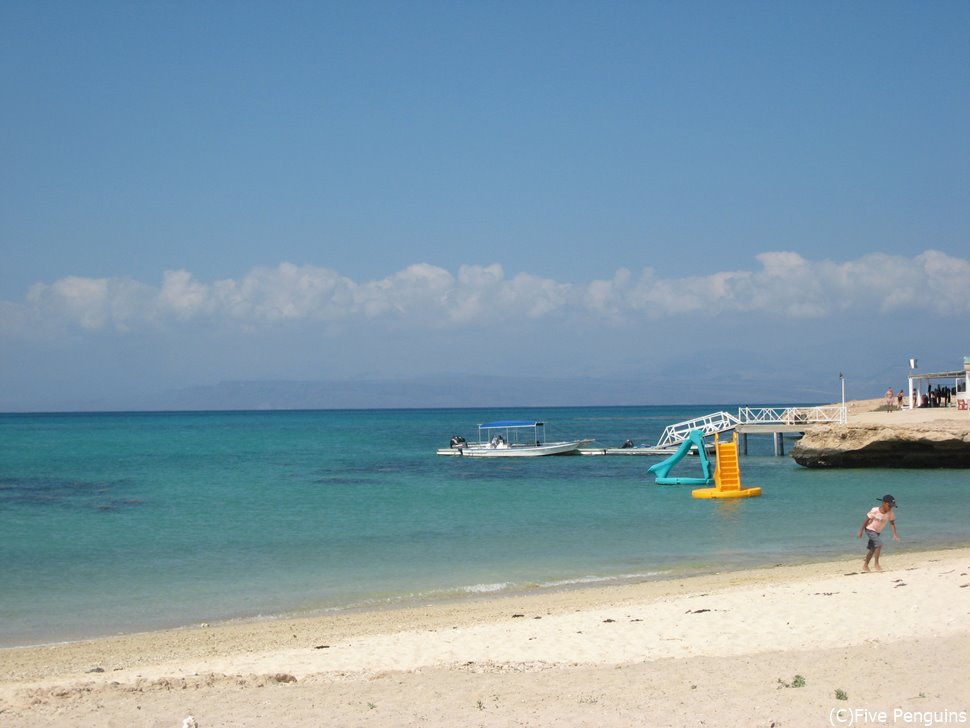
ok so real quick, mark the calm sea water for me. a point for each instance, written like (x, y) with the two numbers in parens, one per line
(122, 522)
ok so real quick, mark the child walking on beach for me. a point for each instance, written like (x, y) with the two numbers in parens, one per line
(873, 525)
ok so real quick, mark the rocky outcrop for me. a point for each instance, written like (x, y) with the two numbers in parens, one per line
(941, 444)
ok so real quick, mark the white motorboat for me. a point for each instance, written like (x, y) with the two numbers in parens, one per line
(511, 439)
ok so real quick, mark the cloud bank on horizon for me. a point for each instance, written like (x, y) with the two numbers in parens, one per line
(425, 296)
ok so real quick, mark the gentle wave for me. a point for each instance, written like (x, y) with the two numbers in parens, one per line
(486, 588)
(506, 586)
(602, 579)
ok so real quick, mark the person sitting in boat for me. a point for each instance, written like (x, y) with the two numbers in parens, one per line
(498, 442)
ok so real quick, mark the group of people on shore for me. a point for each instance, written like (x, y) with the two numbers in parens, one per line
(939, 397)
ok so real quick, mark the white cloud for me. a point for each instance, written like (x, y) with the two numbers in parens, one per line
(475, 286)
(182, 295)
(422, 295)
(604, 297)
(789, 285)
(92, 303)
(416, 290)
(950, 279)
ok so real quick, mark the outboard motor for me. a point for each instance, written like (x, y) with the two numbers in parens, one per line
(627, 444)
(458, 441)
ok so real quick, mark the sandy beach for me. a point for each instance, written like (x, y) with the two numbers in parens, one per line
(806, 645)
(874, 412)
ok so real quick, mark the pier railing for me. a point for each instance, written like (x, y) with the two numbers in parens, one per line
(675, 434)
(791, 415)
(708, 425)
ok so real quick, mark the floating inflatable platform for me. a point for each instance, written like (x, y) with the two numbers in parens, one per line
(715, 493)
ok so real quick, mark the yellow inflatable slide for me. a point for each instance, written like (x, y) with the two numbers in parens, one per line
(727, 474)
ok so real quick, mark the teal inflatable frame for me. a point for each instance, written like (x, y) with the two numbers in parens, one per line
(662, 469)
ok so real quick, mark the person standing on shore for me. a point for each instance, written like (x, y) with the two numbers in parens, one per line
(873, 525)
(889, 399)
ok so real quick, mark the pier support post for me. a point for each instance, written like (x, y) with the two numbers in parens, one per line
(779, 438)
(744, 443)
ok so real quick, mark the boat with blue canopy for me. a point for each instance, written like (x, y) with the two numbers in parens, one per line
(511, 439)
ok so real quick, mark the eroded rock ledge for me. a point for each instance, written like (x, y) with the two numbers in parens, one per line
(942, 444)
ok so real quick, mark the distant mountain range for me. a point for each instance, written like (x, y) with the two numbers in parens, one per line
(448, 390)
(443, 391)
(455, 390)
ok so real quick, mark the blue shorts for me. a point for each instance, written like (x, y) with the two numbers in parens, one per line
(875, 540)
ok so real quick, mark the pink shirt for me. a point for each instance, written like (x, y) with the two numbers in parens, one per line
(878, 519)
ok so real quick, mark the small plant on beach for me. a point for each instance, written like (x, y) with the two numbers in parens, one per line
(840, 694)
(797, 682)
(371, 706)
(481, 705)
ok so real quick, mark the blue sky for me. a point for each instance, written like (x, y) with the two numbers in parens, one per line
(749, 194)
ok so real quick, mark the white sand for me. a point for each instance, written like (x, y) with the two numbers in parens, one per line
(713, 650)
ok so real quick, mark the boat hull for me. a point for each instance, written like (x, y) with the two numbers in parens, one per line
(515, 451)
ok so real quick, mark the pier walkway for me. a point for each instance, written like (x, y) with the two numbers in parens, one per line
(775, 421)
(779, 421)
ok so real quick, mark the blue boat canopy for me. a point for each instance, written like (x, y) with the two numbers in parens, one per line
(509, 423)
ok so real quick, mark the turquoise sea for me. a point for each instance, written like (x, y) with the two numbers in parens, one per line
(123, 522)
